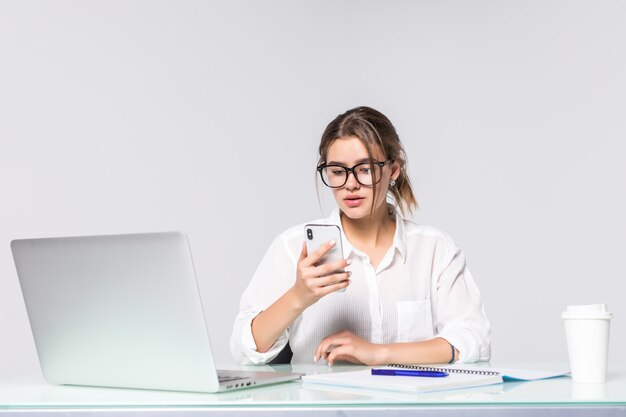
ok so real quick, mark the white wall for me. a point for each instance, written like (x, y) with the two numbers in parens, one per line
(135, 116)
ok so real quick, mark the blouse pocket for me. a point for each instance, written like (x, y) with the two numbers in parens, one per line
(414, 321)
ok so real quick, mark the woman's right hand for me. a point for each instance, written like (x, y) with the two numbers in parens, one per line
(314, 281)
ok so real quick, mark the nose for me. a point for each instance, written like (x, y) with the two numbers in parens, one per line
(352, 183)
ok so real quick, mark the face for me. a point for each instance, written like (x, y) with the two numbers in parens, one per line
(355, 200)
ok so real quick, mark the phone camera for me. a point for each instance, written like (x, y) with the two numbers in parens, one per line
(309, 234)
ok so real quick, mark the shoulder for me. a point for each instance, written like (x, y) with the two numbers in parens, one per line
(296, 232)
(430, 243)
(292, 237)
(420, 232)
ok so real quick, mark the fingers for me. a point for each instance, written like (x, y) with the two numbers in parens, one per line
(339, 279)
(324, 350)
(319, 253)
(316, 281)
(303, 253)
(321, 287)
(308, 269)
(321, 350)
(330, 343)
(349, 347)
(325, 285)
(342, 353)
(329, 268)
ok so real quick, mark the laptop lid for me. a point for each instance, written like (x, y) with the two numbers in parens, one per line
(118, 311)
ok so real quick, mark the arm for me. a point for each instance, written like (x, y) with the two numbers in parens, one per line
(272, 278)
(269, 324)
(346, 346)
(461, 322)
(312, 283)
(461, 318)
(435, 350)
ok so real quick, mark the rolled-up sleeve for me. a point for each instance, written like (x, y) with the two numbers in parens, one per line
(460, 315)
(273, 277)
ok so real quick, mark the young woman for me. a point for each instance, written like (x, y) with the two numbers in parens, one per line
(409, 296)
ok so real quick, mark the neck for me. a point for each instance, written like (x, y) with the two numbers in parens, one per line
(371, 230)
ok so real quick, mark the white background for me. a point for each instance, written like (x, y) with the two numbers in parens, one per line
(204, 116)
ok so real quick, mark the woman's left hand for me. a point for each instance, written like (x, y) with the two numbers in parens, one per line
(346, 346)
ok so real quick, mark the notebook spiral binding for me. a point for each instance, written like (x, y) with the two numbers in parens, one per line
(449, 370)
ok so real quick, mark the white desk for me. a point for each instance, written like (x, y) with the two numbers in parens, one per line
(30, 396)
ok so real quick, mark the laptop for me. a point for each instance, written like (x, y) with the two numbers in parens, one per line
(122, 311)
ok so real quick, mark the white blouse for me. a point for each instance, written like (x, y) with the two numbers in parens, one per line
(421, 289)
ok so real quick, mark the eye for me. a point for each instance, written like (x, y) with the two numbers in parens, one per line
(364, 170)
(337, 171)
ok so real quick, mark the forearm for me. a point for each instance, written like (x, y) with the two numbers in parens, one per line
(435, 350)
(269, 324)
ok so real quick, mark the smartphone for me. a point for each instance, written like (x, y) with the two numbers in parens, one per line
(315, 235)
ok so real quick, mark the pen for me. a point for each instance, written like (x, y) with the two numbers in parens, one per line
(408, 372)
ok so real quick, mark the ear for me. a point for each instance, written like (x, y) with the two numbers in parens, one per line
(395, 170)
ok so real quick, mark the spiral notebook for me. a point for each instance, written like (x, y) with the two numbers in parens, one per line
(458, 377)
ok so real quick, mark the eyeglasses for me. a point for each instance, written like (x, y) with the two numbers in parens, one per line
(336, 176)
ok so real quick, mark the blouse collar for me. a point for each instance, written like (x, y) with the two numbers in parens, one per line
(399, 238)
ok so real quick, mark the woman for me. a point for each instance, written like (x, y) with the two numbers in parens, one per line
(410, 297)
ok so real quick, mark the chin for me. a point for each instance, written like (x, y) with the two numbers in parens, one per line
(361, 212)
(355, 213)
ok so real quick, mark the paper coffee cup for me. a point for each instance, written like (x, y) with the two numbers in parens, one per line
(587, 333)
(588, 392)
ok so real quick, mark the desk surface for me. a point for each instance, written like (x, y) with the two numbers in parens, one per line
(558, 396)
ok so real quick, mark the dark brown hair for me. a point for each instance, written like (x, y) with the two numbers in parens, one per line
(374, 130)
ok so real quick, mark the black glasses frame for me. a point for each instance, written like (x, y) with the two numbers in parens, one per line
(352, 170)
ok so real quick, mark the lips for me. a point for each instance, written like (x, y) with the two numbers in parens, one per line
(353, 200)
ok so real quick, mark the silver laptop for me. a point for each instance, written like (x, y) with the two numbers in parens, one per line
(122, 311)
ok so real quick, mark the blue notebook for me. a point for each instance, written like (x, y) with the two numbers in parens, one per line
(507, 374)
(458, 377)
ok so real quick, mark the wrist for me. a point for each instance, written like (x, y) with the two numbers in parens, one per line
(295, 301)
(383, 355)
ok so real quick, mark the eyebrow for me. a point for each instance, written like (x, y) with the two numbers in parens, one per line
(360, 161)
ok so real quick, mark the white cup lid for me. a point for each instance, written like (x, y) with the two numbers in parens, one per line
(587, 311)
